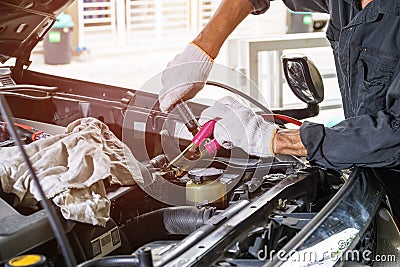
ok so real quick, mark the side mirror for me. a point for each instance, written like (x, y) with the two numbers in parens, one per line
(306, 83)
(303, 78)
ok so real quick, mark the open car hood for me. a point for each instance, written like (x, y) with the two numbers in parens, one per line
(24, 23)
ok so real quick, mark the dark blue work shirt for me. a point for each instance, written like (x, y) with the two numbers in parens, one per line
(366, 47)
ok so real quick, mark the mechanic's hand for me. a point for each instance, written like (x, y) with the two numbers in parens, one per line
(185, 76)
(239, 126)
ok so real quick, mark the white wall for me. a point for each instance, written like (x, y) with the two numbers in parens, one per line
(162, 23)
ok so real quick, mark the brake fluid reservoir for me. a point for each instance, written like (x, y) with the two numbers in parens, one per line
(204, 187)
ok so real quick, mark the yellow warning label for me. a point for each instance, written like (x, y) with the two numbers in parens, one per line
(24, 260)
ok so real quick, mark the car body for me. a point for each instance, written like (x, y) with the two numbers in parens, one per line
(277, 209)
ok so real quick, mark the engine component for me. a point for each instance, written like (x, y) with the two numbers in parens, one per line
(145, 258)
(5, 139)
(28, 132)
(122, 261)
(159, 162)
(206, 174)
(204, 187)
(167, 221)
(27, 261)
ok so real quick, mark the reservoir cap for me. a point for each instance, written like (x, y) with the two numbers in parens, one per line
(31, 260)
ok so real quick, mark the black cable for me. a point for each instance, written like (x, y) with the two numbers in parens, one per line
(54, 221)
(240, 93)
(121, 261)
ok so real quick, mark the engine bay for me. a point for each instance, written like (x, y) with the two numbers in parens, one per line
(223, 211)
(192, 204)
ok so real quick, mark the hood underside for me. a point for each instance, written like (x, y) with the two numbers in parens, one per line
(24, 23)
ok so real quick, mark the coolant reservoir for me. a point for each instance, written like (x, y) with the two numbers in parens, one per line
(205, 187)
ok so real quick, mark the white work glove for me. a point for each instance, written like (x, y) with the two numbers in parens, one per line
(239, 126)
(184, 76)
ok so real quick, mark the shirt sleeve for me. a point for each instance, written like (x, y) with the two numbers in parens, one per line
(365, 141)
(260, 6)
(321, 6)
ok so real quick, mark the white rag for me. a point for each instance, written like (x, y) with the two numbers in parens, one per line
(71, 168)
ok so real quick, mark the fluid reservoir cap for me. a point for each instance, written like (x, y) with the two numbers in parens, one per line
(204, 174)
(31, 260)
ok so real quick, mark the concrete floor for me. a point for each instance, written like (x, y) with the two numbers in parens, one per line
(124, 66)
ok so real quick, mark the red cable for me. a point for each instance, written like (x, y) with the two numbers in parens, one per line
(282, 118)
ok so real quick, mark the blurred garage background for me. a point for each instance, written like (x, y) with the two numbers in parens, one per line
(126, 42)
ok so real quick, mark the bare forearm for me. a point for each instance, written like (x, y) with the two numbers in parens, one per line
(288, 142)
(364, 3)
(227, 17)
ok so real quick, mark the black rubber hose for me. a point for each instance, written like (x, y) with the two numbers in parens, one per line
(145, 257)
(163, 223)
(110, 261)
(185, 220)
